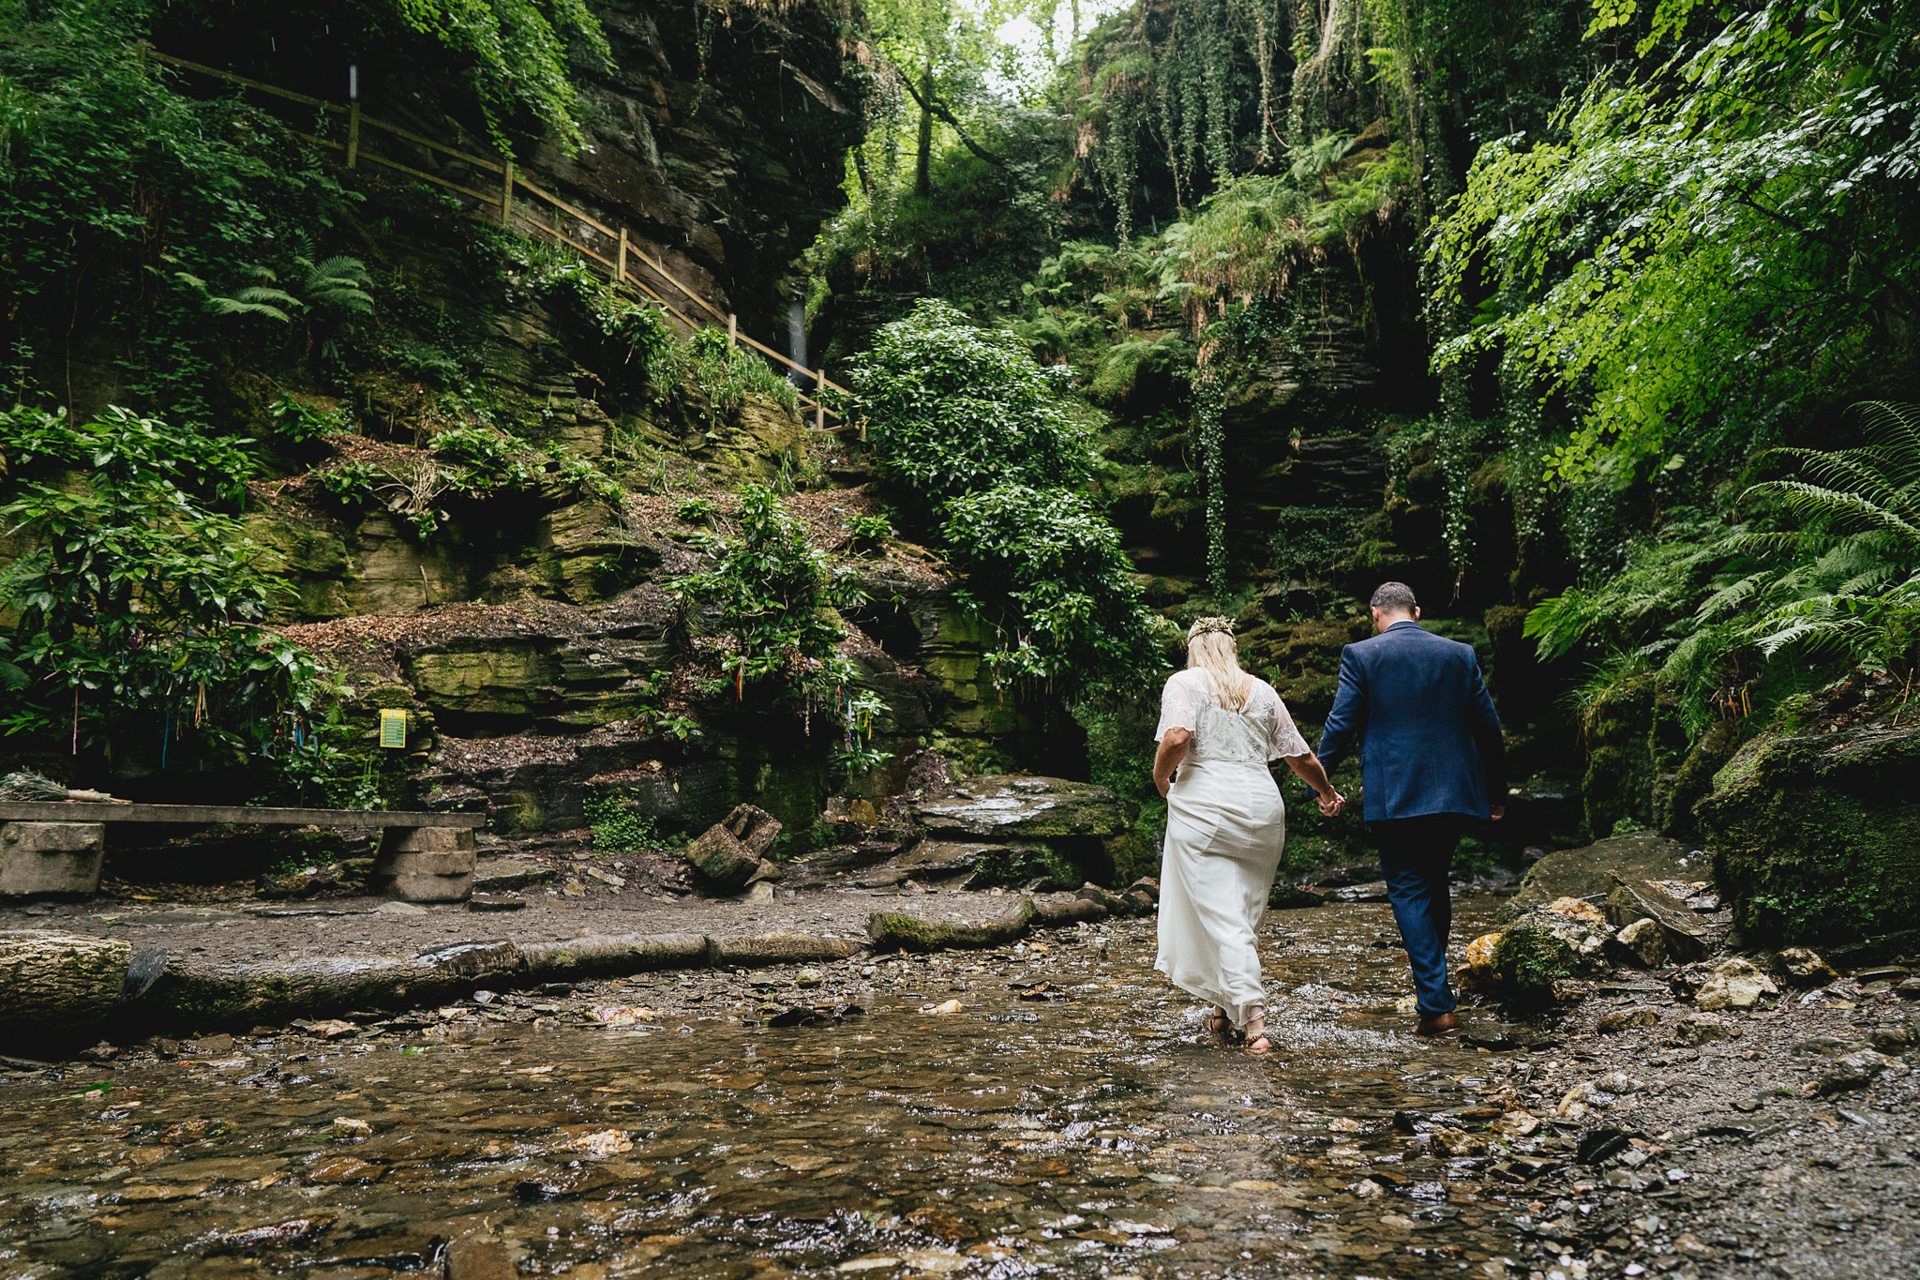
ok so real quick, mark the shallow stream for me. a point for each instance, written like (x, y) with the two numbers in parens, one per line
(1069, 1119)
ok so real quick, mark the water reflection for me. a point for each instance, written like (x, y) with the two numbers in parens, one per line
(1067, 1120)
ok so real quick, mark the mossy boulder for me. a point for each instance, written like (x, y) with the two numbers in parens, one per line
(1817, 838)
(1004, 808)
(1618, 785)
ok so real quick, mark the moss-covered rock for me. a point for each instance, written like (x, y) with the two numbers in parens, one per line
(1618, 785)
(1817, 838)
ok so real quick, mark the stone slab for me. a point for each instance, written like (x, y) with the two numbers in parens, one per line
(1008, 807)
(1629, 901)
(51, 859)
(417, 864)
(1582, 872)
(496, 875)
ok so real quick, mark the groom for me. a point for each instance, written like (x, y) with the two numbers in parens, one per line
(1431, 760)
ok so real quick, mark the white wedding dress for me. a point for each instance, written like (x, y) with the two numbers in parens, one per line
(1226, 825)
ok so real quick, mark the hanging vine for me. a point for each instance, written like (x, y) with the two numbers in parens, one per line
(1209, 404)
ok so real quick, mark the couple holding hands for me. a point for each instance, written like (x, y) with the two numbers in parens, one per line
(1413, 705)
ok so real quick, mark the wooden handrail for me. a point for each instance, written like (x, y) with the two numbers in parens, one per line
(239, 815)
(503, 203)
(231, 78)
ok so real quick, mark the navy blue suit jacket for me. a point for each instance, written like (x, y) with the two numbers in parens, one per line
(1415, 708)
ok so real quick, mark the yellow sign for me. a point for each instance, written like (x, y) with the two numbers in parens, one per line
(393, 728)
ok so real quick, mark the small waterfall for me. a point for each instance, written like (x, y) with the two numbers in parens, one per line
(797, 342)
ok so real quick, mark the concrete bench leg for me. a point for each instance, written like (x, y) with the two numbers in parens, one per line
(51, 859)
(425, 864)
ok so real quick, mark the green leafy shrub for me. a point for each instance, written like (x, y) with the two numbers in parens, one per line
(140, 606)
(967, 423)
(350, 483)
(1058, 560)
(954, 409)
(764, 614)
(869, 532)
(299, 422)
(617, 826)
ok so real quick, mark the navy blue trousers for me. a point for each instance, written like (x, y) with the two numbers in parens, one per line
(1417, 854)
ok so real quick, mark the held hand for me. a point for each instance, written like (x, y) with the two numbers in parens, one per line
(1497, 812)
(1331, 804)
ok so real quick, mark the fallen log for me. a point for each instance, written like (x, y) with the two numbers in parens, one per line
(194, 996)
(53, 983)
(607, 955)
(891, 929)
(777, 948)
(1056, 910)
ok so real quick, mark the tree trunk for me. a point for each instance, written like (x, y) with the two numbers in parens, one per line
(52, 982)
(923, 153)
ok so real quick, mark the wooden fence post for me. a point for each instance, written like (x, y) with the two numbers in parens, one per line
(353, 133)
(620, 262)
(819, 405)
(506, 196)
(141, 47)
(733, 329)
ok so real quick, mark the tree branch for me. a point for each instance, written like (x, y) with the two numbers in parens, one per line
(939, 108)
(1907, 301)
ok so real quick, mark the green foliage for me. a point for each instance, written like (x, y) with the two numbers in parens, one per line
(1253, 236)
(953, 409)
(470, 459)
(140, 608)
(1306, 540)
(126, 210)
(869, 533)
(617, 826)
(763, 609)
(1209, 429)
(517, 53)
(298, 422)
(1853, 518)
(724, 375)
(1823, 571)
(965, 421)
(334, 287)
(1711, 246)
(1058, 560)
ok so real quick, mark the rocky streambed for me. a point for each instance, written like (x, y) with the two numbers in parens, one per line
(1046, 1107)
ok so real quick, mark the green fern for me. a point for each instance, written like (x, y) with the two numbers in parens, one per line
(1856, 592)
(338, 282)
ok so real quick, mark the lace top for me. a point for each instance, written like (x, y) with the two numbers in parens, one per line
(1260, 732)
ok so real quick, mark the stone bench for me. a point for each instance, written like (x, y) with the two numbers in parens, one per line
(54, 848)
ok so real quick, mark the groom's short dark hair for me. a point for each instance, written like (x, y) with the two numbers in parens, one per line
(1393, 597)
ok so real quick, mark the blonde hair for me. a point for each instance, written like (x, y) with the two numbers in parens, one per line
(1218, 654)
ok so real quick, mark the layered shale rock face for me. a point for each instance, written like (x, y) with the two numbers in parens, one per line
(715, 132)
(721, 134)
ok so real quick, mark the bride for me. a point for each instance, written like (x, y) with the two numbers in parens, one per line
(1226, 824)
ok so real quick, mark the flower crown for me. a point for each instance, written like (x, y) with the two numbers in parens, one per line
(1223, 625)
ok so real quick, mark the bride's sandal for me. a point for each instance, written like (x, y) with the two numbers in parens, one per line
(1258, 1043)
(1218, 1022)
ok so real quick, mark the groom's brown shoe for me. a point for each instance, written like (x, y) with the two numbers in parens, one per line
(1440, 1024)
